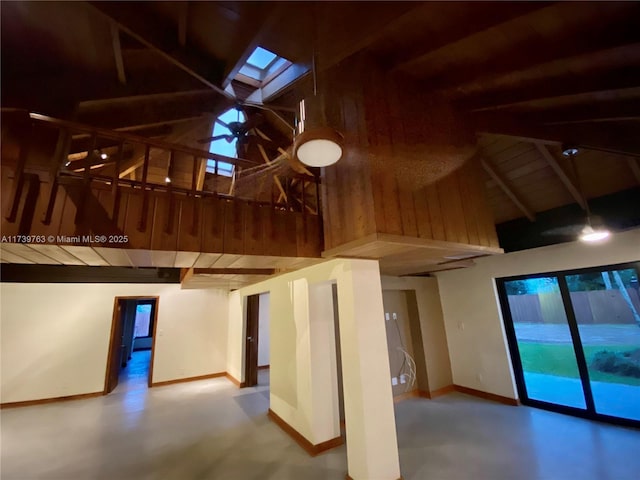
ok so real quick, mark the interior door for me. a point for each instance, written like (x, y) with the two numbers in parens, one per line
(115, 348)
(251, 343)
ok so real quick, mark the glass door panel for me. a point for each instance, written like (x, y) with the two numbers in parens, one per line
(545, 346)
(606, 305)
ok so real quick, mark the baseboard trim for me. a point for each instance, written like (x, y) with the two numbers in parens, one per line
(234, 380)
(188, 379)
(308, 447)
(487, 396)
(263, 367)
(28, 403)
(347, 477)
(406, 396)
(438, 392)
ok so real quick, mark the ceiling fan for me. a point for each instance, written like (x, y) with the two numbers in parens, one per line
(241, 130)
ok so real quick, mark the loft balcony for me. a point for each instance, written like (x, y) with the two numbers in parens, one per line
(94, 196)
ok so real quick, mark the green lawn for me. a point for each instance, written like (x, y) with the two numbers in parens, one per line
(558, 359)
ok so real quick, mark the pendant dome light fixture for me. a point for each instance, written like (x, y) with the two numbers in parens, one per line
(588, 234)
(315, 144)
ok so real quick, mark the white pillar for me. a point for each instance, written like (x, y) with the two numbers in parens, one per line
(372, 446)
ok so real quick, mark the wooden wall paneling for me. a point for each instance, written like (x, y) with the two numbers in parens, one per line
(330, 211)
(469, 205)
(289, 246)
(190, 210)
(134, 211)
(484, 221)
(379, 143)
(68, 225)
(270, 229)
(254, 235)
(234, 227)
(160, 239)
(435, 213)
(406, 129)
(446, 194)
(213, 225)
(53, 228)
(8, 228)
(423, 219)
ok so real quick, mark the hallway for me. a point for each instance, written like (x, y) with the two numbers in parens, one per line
(209, 429)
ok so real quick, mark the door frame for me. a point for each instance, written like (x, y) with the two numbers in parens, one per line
(252, 320)
(589, 412)
(117, 317)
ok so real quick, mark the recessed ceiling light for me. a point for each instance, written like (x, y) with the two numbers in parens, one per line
(569, 151)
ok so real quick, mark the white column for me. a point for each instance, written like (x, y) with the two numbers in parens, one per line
(372, 446)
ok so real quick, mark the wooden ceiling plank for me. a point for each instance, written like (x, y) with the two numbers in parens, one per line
(153, 36)
(185, 259)
(57, 253)
(87, 254)
(115, 257)
(205, 260)
(10, 257)
(507, 190)
(25, 251)
(564, 178)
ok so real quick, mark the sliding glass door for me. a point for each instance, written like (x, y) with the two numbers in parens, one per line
(575, 340)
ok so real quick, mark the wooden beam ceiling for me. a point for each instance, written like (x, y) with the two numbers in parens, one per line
(562, 175)
(502, 183)
(160, 36)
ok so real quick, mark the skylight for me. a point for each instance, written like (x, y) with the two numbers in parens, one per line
(222, 146)
(261, 66)
(261, 58)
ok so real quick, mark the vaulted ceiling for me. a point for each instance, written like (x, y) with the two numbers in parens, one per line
(527, 76)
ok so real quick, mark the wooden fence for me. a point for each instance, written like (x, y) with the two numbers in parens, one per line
(591, 307)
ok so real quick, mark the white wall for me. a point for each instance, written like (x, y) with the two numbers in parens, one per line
(55, 336)
(434, 338)
(303, 387)
(472, 316)
(263, 330)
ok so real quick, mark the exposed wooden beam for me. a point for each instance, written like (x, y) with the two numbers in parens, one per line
(470, 22)
(593, 21)
(601, 77)
(117, 53)
(151, 31)
(621, 137)
(635, 168)
(564, 178)
(507, 190)
(151, 109)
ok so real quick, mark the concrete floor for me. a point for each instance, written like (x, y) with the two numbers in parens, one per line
(211, 430)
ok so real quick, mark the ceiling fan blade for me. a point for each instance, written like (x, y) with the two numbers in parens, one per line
(225, 125)
(228, 138)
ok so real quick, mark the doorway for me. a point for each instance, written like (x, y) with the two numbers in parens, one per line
(131, 346)
(257, 341)
(574, 339)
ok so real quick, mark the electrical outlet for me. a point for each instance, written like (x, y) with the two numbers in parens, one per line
(386, 316)
(395, 316)
(403, 378)
(394, 381)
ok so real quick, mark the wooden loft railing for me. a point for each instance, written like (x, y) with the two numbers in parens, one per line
(259, 206)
